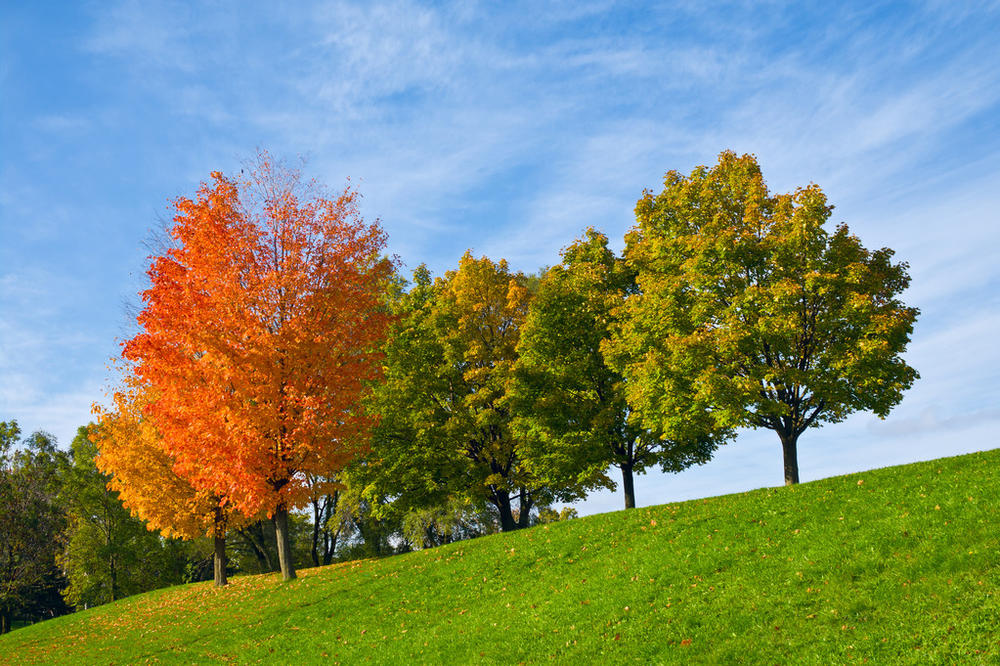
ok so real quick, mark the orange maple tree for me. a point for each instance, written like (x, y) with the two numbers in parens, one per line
(132, 453)
(260, 329)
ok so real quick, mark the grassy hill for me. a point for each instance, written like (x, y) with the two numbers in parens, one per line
(894, 565)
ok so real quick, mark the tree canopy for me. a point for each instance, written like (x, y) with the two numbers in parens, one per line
(281, 364)
(260, 329)
(31, 523)
(446, 429)
(108, 553)
(132, 453)
(572, 407)
(751, 313)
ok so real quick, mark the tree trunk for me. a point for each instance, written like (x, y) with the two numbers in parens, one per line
(112, 569)
(330, 547)
(628, 485)
(114, 579)
(524, 510)
(789, 451)
(220, 560)
(4, 623)
(257, 543)
(314, 552)
(220, 548)
(284, 543)
(502, 503)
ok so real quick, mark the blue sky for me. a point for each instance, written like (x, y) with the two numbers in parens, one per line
(507, 128)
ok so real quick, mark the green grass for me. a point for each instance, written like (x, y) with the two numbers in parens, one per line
(898, 565)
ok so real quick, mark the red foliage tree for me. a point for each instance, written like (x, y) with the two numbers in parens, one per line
(260, 329)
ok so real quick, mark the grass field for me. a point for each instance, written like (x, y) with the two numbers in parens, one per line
(898, 565)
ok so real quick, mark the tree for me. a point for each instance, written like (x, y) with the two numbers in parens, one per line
(445, 431)
(260, 329)
(749, 310)
(572, 406)
(368, 526)
(31, 523)
(108, 554)
(10, 433)
(132, 453)
(254, 547)
(456, 520)
(549, 515)
(325, 529)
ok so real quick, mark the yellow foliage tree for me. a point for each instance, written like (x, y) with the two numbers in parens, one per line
(131, 452)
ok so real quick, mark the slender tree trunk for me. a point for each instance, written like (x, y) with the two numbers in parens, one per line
(319, 507)
(4, 623)
(628, 485)
(114, 579)
(284, 543)
(790, 454)
(112, 569)
(329, 547)
(502, 502)
(220, 548)
(524, 510)
(330, 537)
(258, 545)
(315, 540)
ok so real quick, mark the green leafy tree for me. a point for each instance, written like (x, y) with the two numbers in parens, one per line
(254, 547)
(572, 407)
(749, 311)
(368, 524)
(325, 532)
(445, 406)
(456, 520)
(31, 523)
(549, 515)
(109, 554)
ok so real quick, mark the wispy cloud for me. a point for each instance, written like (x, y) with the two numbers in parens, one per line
(376, 51)
(147, 34)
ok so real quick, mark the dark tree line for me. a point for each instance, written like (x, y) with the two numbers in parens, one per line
(68, 543)
(32, 526)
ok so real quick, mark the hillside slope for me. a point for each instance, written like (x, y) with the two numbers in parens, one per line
(892, 565)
